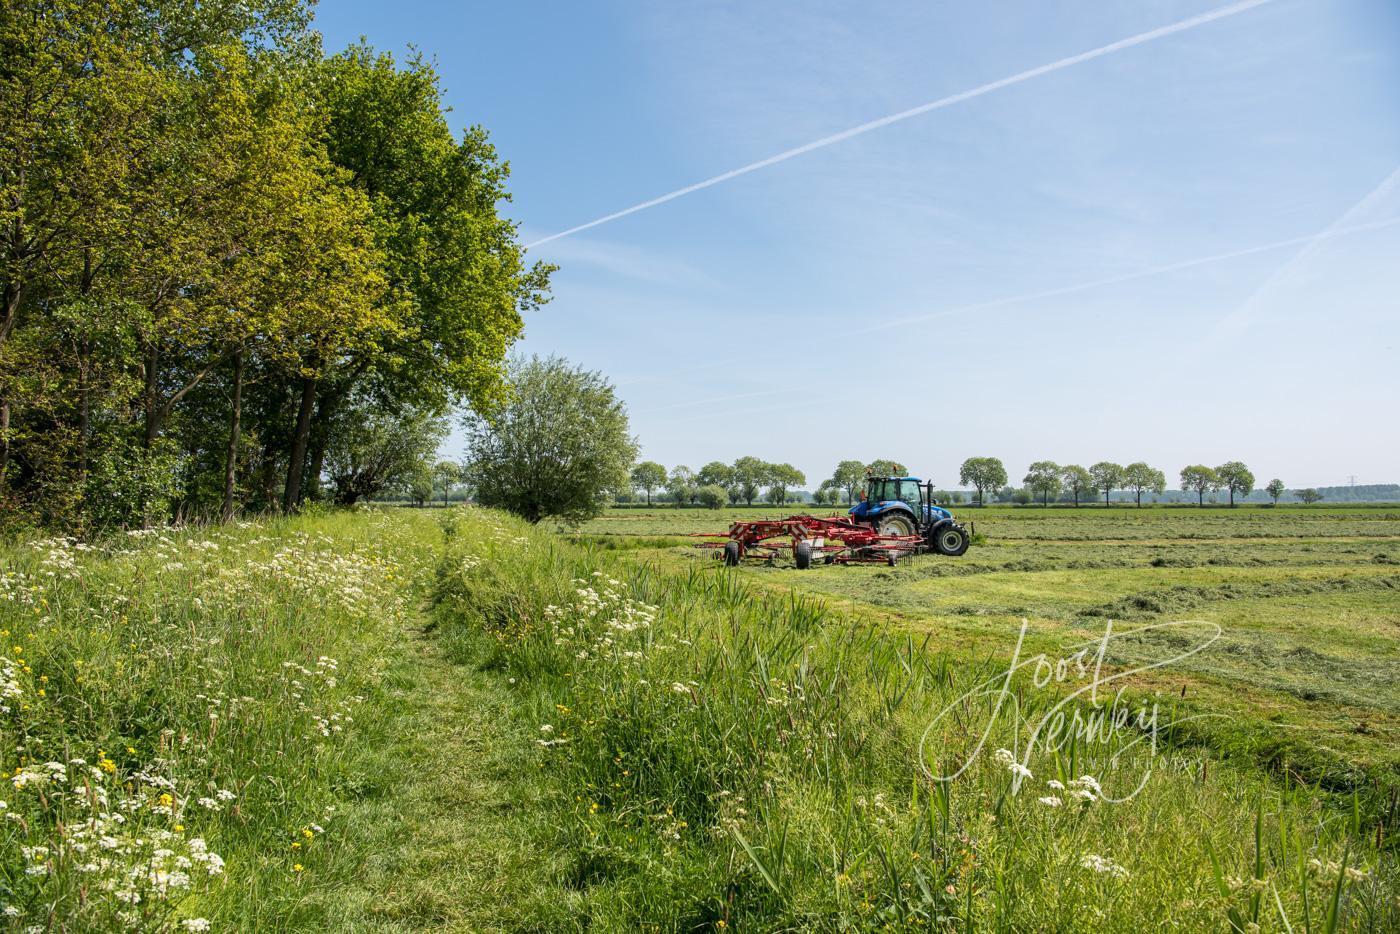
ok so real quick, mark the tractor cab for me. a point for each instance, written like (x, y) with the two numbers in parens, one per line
(905, 506)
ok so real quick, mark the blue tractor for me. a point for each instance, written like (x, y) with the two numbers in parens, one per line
(905, 506)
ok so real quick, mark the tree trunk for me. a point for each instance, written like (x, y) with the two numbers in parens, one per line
(1139, 498)
(234, 430)
(1201, 498)
(84, 405)
(1232, 497)
(14, 292)
(4, 444)
(148, 396)
(291, 494)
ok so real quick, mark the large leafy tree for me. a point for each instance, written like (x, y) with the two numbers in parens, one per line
(982, 474)
(1275, 489)
(648, 476)
(1201, 479)
(1108, 477)
(1236, 478)
(555, 448)
(1043, 477)
(1140, 478)
(782, 477)
(453, 261)
(681, 484)
(750, 476)
(848, 478)
(1078, 481)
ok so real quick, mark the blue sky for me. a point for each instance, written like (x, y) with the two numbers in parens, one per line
(1181, 252)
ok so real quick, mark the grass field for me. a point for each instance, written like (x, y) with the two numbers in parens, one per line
(1307, 667)
(409, 720)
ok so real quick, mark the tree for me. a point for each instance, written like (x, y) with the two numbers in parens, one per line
(556, 448)
(712, 496)
(385, 450)
(1308, 496)
(446, 474)
(750, 476)
(647, 476)
(681, 484)
(1043, 477)
(983, 473)
(716, 473)
(1236, 478)
(1200, 478)
(1108, 476)
(1275, 489)
(884, 468)
(1078, 481)
(849, 476)
(782, 476)
(1140, 478)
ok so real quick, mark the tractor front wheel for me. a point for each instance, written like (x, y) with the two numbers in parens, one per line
(802, 555)
(951, 541)
(732, 554)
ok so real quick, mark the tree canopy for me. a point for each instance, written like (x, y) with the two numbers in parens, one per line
(555, 448)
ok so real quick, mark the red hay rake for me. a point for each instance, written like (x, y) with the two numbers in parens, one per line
(831, 540)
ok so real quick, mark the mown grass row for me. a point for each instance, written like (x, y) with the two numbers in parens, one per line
(723, 757)
(185, 713)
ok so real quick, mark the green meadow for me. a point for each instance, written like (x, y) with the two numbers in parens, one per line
(409, 720)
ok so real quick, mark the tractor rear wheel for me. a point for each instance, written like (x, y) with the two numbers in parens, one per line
(802, 555)
(951, 541)
(731, 554)
(895, 523)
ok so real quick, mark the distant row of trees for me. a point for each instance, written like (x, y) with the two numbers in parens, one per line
(717, 483)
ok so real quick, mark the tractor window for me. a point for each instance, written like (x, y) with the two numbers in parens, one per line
(909, 492)
(879, 491)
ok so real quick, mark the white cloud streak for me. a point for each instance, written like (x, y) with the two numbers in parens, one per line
(979, 91)
(1249, 311)
(1312, 240)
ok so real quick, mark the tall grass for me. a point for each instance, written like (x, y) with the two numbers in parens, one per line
(721, 757)
(182, 710)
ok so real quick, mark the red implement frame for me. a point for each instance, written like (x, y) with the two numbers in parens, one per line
(834, 540)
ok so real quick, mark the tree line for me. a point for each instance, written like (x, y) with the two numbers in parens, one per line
(234, 268)
(717, 483)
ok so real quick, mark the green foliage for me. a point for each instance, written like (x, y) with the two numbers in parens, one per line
(1078, 481)
(212, 237)
(783, 476)
(556, 448)
(982, 473)
(717, 473)
(1107, 477)
(848, 478)
(1236, 478)
(1275, 489)
(681, 484)
(750, 475)
(712, 496)
(647, 476)
(1200, 479)
(1043, 477)
(383, 451)
(1141, 478)
(1308, 496)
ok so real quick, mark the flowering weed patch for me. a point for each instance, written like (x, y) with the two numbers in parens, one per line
(180, 711)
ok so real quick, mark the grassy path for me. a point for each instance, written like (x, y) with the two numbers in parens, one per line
(444, 840)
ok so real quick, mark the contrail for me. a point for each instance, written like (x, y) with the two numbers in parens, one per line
(1239, 320)
(1311, 240)
(1120, 45)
